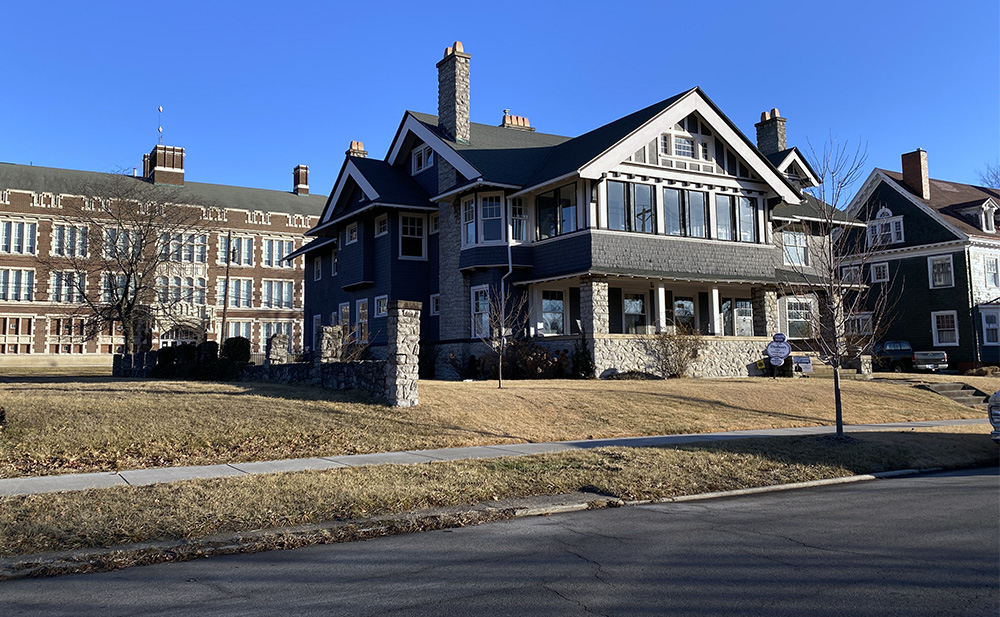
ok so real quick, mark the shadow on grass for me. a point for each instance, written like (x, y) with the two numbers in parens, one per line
(863, 453)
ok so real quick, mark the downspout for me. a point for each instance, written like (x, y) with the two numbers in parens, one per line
(972, 307)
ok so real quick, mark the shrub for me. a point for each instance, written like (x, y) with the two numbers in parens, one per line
(236, 349)
(675, 350)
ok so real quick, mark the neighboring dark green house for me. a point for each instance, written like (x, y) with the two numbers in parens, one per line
(938, 249)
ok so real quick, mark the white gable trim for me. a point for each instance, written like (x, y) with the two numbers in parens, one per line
(350, 171)
(795, 157)
(692, 101)
(872, 183)
(440, 147)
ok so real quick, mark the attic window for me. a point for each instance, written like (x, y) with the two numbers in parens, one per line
(885, 229)
(423, 158)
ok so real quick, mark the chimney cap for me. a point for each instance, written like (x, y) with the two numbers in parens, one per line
(455, 49)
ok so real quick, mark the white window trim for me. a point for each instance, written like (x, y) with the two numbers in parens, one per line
(930, 271)
(462, 222)
(850, 275)
(367, 321)
(480, 220)
(317, 267)
(871, 272)
(983, 314)
(934, 331)
(347, 233)
(433, 223)
(377, 312)
(380, 220)
(813, 306)
(340, 313)
(539, 322)
(423, 239)
(317, 323)
(277, 263)
(428, 154)
(242, 238)
(992, 278)
(864, 318)
(435, 304)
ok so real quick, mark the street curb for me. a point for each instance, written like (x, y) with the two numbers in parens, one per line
(330, 532)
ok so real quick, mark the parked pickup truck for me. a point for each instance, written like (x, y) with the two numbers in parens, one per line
(898, 357)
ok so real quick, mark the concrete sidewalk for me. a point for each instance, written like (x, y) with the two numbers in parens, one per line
(157, 475)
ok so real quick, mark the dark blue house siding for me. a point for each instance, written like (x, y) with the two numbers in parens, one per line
(918, 227)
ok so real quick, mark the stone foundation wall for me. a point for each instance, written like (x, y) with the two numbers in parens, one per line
(721, 357)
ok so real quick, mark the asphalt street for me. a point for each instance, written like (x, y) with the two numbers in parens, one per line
(924, 545)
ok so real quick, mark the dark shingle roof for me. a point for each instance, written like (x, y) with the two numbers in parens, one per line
(72, 181)
(504, 155)
(948, 198)
(392, 185)
(811, 208)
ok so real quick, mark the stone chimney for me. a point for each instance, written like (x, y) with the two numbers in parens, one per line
(357, 149)
(300, 177)
(771, 132)
(164, 165)
(915, 173)
(453, 93)
(515, 122)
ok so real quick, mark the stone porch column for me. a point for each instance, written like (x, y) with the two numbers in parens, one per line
(402, 353)
(765, 311)
(594, 315)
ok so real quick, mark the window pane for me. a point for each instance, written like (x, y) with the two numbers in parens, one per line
(724, 217)
(635, 313)
(552, 312)
(567, 208)
(546, 204)
(492, 221)
(672, 212)
(616, 205)
(748, 219)
(643, 208)
(696, 214)
(684, 311)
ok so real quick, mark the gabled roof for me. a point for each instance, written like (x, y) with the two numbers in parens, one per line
(381, 185)
(781, 161)
(812, 209)
(74, 182)
(947, 203)
(501, 155)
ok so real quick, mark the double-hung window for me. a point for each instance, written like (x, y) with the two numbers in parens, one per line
(850, 274)
(381, 306)
(879, 272)
(362, 312)
(992, 272)
(798, 313)
(67, 286)
(518, 220)
(237, 250)
(412, 236)
(180, 289)
(796, 247)
(885, 229)
(277, 294)
(991, 327)
(275, 252)
(491, 209)
(381, 225)
(939, 271)
(184, 248)
(556, 211)
(240, 292)
(944, 327)
(634, 312)
(69, 240)
(469, 221)
(17, 237)
(630, 207)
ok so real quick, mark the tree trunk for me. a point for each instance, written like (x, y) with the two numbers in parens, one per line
(128, 334)
(500, 367)
(837, 401)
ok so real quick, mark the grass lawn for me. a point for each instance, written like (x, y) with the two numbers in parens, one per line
(192, 509)
(65, 424)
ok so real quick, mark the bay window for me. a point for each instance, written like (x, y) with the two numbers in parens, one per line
(556, 211)
(468, 221)
(491, 210)
(518, 220)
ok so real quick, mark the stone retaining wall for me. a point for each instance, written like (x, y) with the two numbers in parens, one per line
(721, 357)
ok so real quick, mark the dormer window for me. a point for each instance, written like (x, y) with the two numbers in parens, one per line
(423, 158)
(885, 229)
(987, 217)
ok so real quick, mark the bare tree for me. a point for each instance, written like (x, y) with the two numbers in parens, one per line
(118, 244)
(827, 282)
(499, 318)
(991, 176)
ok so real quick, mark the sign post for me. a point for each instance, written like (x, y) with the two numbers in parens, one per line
(777, 350)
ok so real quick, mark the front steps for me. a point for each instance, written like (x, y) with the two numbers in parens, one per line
(961, 393)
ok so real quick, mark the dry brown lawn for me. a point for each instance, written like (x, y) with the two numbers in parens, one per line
(62, 425)
(109, 517)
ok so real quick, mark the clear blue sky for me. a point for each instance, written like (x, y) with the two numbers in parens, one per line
(252, 89)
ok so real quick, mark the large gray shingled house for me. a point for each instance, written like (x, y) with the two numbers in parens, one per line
(667, 215)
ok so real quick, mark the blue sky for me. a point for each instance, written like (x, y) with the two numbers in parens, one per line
(252, 89)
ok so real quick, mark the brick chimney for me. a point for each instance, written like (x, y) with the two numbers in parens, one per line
(357, 149)
(771, 132)
(453, 93)
(300, 177)
(164, 165)
(915, 173)
(515, 122)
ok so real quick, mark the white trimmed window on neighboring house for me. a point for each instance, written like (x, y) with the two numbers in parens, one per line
(381, 225)
(879, 273)
(480, 311)
(361, 307)
(423, 158)
(412, 236)
(992, 267)
(850, 274)
(885, 229)
(940, 272)
(944, 327)
(859, 324)
(381, 306)
(435, 304)
(991, 327)
(345, 316)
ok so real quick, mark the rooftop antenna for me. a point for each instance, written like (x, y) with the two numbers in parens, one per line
(159, 121)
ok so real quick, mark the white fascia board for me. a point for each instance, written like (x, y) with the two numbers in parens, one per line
(440, 147)
(926, 250)
(690, 102)
(795, 157)
(473, 186)
(873, 181)
(815, 219)
(350, 171)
